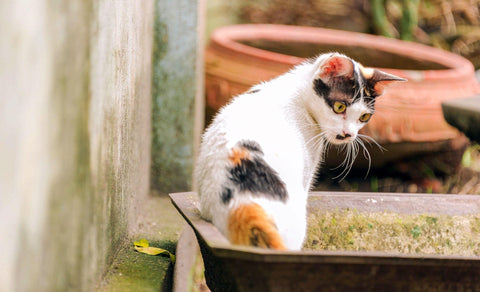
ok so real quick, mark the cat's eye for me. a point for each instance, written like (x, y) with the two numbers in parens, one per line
(339, 107)
(365, 117)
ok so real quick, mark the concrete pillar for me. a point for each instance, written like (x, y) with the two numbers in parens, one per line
(177, 92)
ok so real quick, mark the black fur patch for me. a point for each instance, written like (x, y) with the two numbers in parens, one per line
(251, 146)
(227, 195)
(256, 176)
(338, 89)
(321, 88)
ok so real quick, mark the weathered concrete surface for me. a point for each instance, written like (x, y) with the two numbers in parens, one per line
(177, 92)
(159, 223)
(75, 141)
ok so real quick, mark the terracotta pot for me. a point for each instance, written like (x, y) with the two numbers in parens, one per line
(408, 117)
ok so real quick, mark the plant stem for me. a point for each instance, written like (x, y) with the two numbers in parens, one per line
(409, 19)
(380, 22)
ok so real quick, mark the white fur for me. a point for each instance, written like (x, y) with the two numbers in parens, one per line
(293, 125)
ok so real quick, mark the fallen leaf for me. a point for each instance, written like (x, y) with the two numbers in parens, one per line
(141, 243)
(144, 247)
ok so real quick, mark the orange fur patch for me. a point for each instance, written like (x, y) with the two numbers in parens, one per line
(250, 225)
(238, 154)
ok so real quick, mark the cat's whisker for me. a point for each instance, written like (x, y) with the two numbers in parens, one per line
(356, 148)
(316, 140)
(349, 162)
(370, 141)
(351, 153)
(342, 164)
(324, 142)
(366, 154)
(320, 142)
(328, 145)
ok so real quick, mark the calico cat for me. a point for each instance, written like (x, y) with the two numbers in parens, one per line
(259, 156)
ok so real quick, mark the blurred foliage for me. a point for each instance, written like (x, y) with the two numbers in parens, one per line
(451, 25)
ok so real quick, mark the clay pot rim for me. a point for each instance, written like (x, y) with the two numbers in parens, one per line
(226, 39)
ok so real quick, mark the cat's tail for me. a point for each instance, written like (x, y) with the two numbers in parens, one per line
(249, 224)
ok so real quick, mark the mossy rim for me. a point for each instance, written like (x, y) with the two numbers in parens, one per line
(352, 230)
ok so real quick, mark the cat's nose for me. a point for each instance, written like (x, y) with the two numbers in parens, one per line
(344, 136)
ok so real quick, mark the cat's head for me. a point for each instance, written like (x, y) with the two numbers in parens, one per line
(343, 95)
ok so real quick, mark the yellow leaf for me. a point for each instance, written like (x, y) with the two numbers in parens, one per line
(150, 250)
(141, 243)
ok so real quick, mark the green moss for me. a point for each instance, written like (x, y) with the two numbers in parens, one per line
(390, 232)
(134, 271)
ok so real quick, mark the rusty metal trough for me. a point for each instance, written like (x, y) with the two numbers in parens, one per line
(236, 268)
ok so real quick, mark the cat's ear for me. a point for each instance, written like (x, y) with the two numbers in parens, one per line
(335, 65)
(378, 80)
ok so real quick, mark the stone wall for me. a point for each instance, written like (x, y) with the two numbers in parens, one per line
(75, 137)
